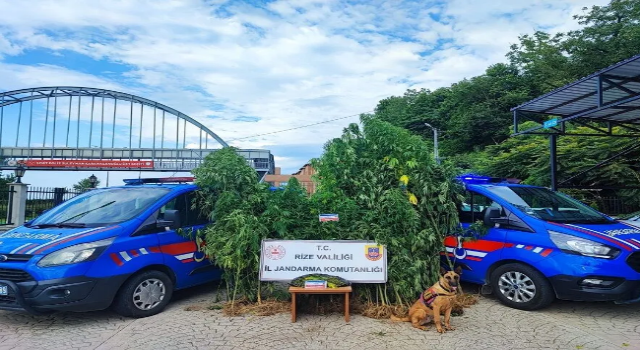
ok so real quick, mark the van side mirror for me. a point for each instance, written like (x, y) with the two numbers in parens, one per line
(171, 220)
(494, 216)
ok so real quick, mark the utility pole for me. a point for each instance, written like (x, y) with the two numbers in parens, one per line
(553, 138)
(436, 155)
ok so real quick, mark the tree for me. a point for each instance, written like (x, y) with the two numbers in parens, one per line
(381, 180)
(527, 158)
(474, 118)
(231, 196)
(5, 180)
(391, 191)
(541, 62)
(85, 184)
(470, 114)
(611, 34)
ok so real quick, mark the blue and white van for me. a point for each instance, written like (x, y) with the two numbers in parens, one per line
(119, 247)
(542, 245)
(116, 247)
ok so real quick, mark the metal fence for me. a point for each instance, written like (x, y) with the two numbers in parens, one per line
(617, 206)
(40, 199)
(6, 197)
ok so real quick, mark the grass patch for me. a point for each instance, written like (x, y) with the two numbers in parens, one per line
(462, 302)
(323, 305)
(265, 308)
(380, 312)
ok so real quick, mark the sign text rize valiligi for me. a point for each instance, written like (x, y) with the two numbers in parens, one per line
(355, 261)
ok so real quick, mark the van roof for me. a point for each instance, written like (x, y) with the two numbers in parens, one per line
(487, 181)
(503, 184)
(170, 186)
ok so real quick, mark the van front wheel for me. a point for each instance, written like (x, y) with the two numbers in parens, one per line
(521, 287)
(144, 294)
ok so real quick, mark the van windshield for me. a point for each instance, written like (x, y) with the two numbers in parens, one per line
(100, 207)
(547, 205)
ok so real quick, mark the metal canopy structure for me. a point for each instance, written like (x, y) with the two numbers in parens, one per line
(606, 102)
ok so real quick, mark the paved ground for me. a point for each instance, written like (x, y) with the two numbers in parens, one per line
(488, 325)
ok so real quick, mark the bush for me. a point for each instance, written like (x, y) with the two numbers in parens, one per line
(381, 180)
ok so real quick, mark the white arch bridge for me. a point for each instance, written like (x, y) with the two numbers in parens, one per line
(81, 128)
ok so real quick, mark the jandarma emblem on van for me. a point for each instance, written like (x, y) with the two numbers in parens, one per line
(43, 236)
(3, 258)
(624, 231)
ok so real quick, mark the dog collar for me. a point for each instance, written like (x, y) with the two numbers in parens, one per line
(446, 290)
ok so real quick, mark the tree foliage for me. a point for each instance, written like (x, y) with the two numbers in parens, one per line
(527, 158)
(611, 34)
(474, 116)
(84, 185)
(5, 180)
(471, 114)
(380, 179)
(385, 181)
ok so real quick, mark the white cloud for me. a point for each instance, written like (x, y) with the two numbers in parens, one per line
(18, 76)
(288, 63)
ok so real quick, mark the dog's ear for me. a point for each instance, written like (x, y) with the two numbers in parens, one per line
(442, 271)
(458, 270)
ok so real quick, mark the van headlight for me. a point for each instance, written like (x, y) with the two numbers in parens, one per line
(576, 245)
(76, 253)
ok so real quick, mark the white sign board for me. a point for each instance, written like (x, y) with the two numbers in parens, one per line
(355, 261)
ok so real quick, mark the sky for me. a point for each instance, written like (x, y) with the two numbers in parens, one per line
(244, 68)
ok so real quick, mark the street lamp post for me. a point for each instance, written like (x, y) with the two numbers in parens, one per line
(93, 180)
(18, 199)
(436, 155)
(19, 171)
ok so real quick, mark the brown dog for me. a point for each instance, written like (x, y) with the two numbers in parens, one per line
(434, 301)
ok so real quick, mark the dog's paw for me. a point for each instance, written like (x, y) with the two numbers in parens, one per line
(450, 328)
(441, 330)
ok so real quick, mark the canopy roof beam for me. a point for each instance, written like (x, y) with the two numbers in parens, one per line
(606, 102)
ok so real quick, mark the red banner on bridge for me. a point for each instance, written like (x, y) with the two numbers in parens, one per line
(61, 163)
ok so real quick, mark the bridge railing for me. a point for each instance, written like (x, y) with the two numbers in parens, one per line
(158, 159)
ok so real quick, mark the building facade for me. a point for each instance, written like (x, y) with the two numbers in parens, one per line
(303, 176)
